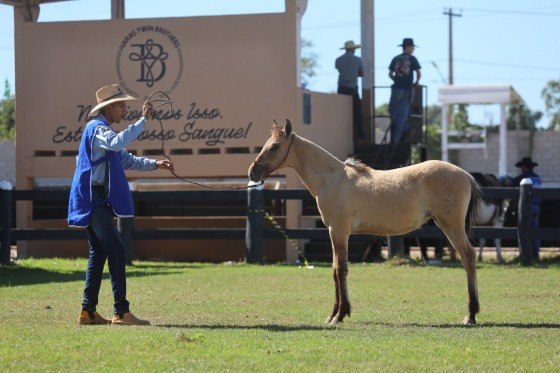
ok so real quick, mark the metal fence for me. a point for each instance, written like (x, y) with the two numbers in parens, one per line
(255, 232)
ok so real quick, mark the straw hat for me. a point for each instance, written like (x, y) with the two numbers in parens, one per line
(108, 95)
(350, 45)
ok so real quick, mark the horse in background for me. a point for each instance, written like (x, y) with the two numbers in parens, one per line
(492, 212)
(354, 198)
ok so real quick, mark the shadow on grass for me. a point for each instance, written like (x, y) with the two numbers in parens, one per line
(15, 275)
(151, 265)
(480, 325)
(267, 327)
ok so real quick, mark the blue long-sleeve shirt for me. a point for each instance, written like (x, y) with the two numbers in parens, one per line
(106, 139)
(516, 181)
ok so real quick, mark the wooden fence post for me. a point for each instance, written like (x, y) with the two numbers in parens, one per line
(254, 229)
(126, 229)
(5, 221)
(524, 222)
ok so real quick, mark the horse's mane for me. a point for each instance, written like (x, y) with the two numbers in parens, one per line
(355, 164)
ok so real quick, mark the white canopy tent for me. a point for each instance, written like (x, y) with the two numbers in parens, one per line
(501, 94)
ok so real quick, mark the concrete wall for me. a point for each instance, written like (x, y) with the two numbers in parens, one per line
(229, 77)
(544, 151)
(8, 161)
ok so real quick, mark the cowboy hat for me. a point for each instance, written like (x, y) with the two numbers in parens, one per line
(350, 45)
(526, 161)
(108, 95)
(407, 42)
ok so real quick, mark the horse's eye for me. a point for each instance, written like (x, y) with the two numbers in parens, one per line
(274, 147)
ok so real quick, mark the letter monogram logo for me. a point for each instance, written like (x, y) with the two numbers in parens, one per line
(152, 61)
(149, 57)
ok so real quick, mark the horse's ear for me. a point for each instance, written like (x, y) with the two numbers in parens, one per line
(288, 127)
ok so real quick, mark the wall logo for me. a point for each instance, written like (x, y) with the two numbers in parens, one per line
(149, 57)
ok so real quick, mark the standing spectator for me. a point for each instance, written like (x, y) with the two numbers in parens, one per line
(402, 91)
(350, 67)
(526, 164)
(100, 192)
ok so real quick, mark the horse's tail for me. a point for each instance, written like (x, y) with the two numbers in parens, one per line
(474, 205)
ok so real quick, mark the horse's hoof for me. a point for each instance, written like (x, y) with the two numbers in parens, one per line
(335, 321)
(468, 321)
(328, 320)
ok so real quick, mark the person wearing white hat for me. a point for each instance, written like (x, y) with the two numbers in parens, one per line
(99, 192)
(350, 67)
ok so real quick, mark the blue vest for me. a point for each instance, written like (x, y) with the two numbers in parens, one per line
(80, 204)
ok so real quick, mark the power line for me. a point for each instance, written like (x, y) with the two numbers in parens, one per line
(497, 11)
(508, 65)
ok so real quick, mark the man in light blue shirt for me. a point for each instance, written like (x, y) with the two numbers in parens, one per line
(99, 192)
(350, 67)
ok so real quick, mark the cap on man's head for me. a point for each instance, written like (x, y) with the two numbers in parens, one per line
(350, 45)
(108, 95)
(407, 42)
(526, 161)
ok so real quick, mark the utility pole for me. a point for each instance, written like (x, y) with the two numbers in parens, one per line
(368, 80)
(449, 12)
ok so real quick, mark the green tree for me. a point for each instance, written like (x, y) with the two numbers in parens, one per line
(551, 96)
(433, 143)
(7, 114)
(521, 117)
(460, 120)
(308, 61)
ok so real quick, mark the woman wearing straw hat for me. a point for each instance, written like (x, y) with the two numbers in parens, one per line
(99, 192)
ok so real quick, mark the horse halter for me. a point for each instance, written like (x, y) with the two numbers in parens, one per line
(286, 156)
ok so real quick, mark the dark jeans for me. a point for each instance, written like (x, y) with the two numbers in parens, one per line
(399, 108)
(105, 242)
(356, 110)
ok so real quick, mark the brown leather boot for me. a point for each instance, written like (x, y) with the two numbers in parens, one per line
(91, 318)
(128, 319)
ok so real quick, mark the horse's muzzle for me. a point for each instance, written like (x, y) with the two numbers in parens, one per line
(257, 172)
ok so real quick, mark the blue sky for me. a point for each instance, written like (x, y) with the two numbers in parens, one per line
(494, 41)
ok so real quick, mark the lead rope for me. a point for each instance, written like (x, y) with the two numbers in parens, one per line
(167, 101)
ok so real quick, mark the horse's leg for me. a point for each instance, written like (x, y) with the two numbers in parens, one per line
(336, 289)
(342, 305)
(498, 244)
(481, 244)
(459, 240)
(499, 222)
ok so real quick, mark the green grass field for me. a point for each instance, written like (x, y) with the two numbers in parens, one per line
(406, 317)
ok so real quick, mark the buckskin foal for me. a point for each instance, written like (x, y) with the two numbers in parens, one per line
(354, 198)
